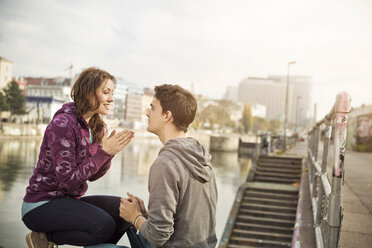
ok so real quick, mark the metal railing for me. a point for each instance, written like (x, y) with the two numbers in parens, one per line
(327, 197)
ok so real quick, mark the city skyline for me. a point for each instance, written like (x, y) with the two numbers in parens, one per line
(209, 43)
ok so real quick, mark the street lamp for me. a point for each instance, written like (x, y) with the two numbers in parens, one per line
(286, 107)
(296, 119)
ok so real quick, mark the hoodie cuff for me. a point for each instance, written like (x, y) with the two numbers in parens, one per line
(101, 157)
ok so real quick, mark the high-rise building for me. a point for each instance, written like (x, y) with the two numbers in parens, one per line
(133, 104)
(303, 95)
(120, 97)
(6, 68)
(266, 92)
(231, 94)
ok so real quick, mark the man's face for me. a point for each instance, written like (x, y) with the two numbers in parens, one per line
(155, 117)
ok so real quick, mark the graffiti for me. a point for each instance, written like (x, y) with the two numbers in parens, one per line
(364, 132)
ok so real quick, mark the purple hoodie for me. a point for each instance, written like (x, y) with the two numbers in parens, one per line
(67, 159)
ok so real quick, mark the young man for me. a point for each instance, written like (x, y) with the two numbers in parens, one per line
(182, 185)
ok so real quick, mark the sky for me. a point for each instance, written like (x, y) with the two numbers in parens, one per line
(211, 44)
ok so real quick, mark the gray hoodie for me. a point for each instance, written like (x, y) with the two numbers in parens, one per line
(183, 197)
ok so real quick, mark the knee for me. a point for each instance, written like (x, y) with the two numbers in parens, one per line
(103, 230)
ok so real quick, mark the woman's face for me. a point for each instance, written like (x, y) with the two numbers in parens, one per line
(105, 97)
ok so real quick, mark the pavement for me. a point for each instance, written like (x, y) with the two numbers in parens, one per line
(356, 227)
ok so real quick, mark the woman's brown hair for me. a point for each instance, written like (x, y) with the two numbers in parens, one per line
(83, 93)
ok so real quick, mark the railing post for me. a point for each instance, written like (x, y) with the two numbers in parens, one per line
(342, 108)
(316, 149)
(257, 147)
(311, 166)
(327, 138)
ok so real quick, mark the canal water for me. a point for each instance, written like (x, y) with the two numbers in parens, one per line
(128, 173)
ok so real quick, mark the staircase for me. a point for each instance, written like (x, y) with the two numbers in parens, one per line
(264, 211)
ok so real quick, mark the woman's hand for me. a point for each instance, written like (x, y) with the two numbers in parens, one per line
(129, 208)
(116, 142)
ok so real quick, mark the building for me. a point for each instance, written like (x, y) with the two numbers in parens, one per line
(6, 70)
(59, 88)
(267, 92)
(133, 103)
(148, 95)
(21, 83)
(302, 97)
(41, 109)
(120, 96)
(44, 96)
(231, 94)
(359, 133)
(258, 110)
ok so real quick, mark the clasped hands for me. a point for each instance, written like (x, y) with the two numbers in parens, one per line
(131, 207)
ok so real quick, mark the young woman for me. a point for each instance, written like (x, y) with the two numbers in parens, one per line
(76, 148)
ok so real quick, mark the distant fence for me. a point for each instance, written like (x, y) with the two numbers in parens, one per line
(327, 197)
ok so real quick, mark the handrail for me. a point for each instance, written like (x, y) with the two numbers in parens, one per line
(326, 198)
(342, 105)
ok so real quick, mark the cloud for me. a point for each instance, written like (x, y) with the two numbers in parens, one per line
(212, 44)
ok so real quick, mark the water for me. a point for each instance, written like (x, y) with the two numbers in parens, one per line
(128, 173)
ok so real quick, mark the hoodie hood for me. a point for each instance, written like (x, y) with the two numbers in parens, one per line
(193, 156)
(70, 109)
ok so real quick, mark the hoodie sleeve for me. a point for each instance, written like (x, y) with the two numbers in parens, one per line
(164, 195)
(62, 145)
(102, 171)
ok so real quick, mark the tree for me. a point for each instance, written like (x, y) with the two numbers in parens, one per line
(274, 126)
(247, 118)
(3, 104)
(214, 115)
(15, 99)
(260, 124)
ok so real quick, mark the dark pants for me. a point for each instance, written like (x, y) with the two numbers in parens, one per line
(136, 239)
(88, 221)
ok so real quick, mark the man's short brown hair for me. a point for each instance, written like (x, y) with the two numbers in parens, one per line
(179, 101)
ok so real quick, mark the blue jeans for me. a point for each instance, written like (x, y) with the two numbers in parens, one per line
(89, 221)
(136, 241)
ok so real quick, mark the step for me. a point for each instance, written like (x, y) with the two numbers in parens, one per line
(280, 161)
(270, 195)
(275, 202)
(260, 235)
(274, 189)
(265, 214)
(279, 170)
(273, 165)
(274, 179)
(255, 206)
(241, 246)
(265, 221)
(281, 157)
(280, 175)
(258, 242)
(263, 228)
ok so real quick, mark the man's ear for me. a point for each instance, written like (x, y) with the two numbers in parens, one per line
(168, 116)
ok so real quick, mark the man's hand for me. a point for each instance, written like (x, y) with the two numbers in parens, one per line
(116, 142)
(129, 208)
(142, 207)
